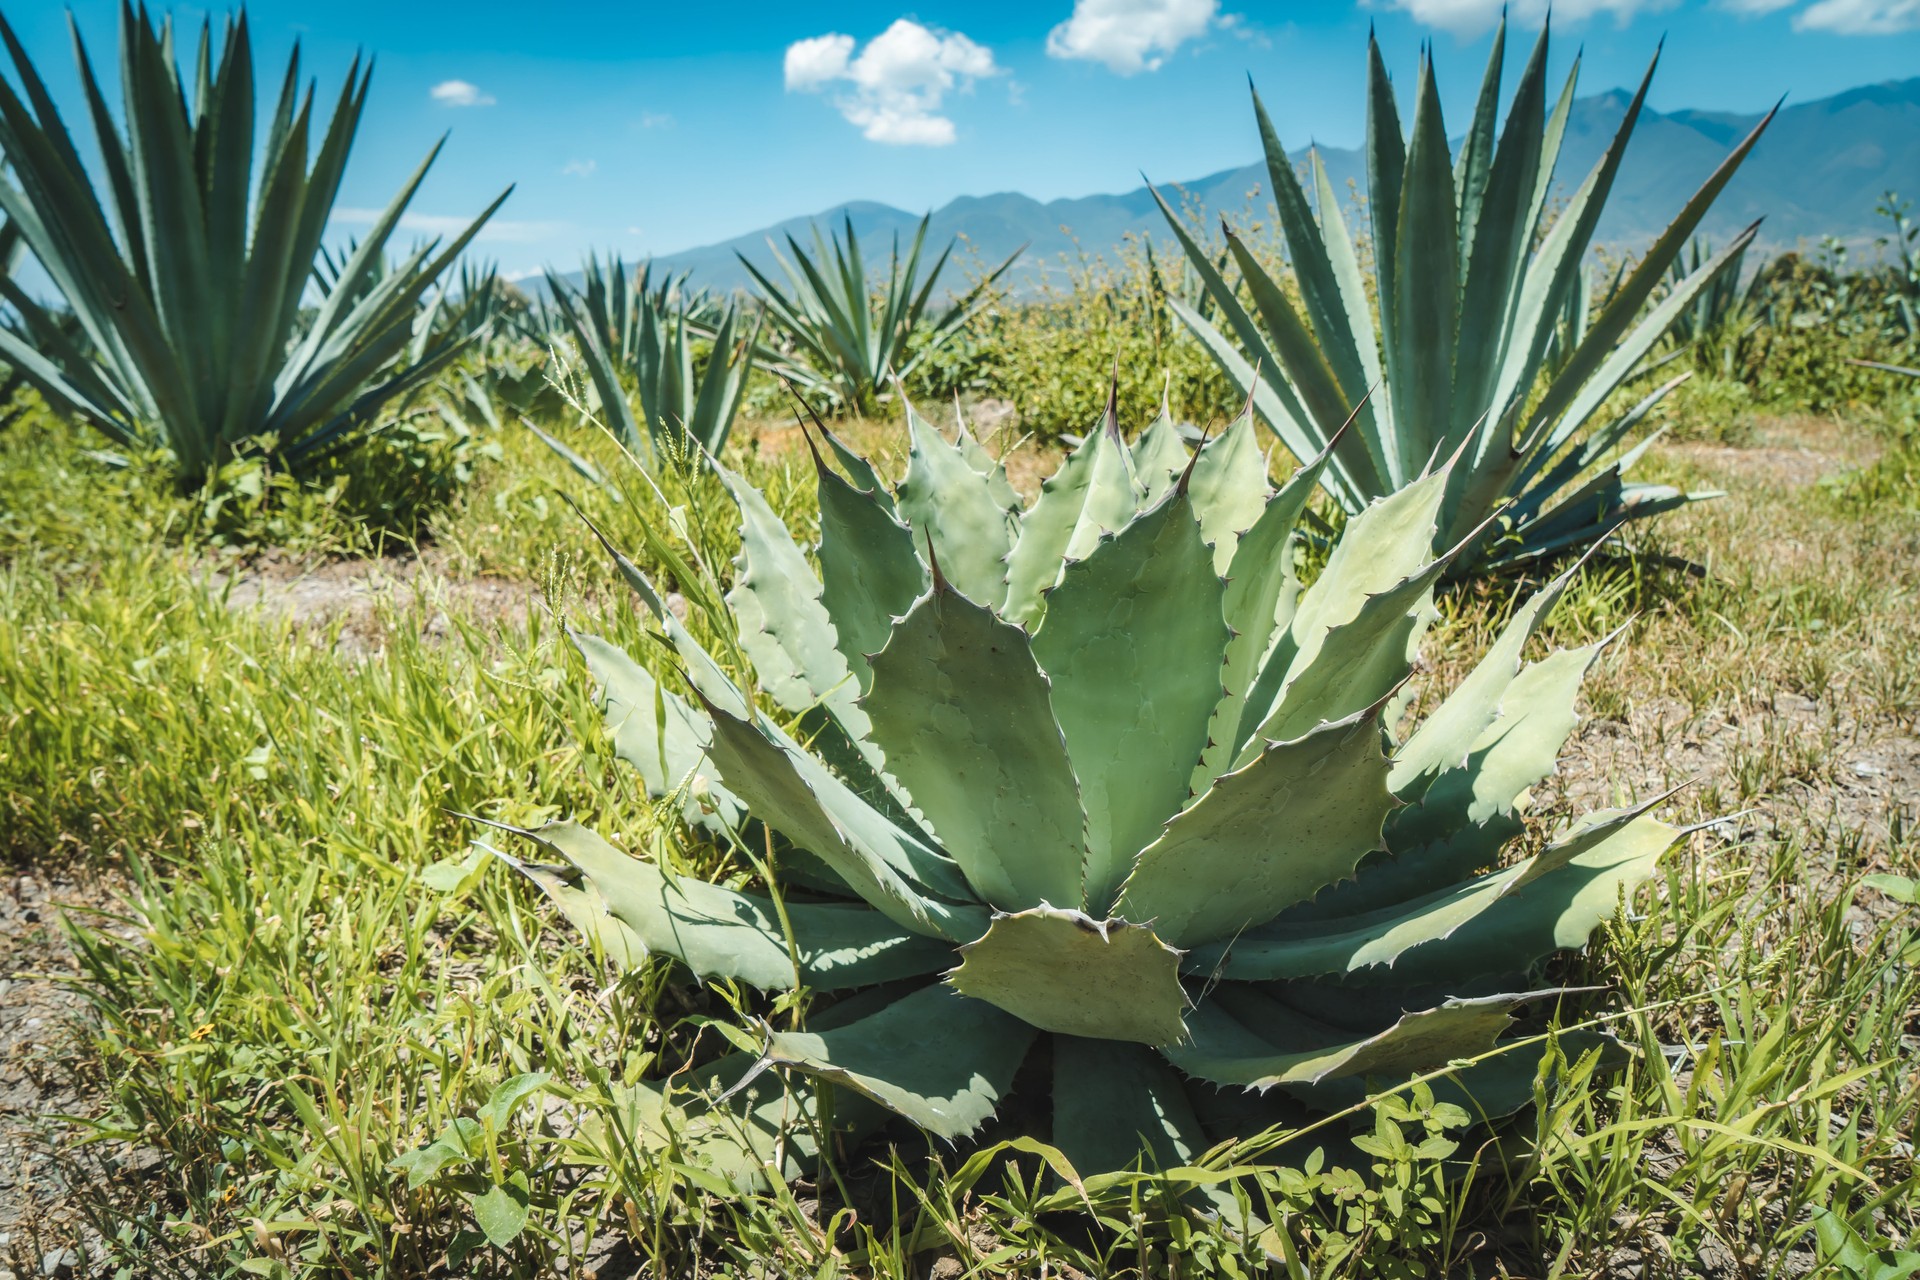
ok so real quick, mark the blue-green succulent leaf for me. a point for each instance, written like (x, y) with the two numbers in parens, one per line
(1067, 972)
(720, 933)
(939, 1059)
(1269, 835)
(1133, 641)
(961, 711)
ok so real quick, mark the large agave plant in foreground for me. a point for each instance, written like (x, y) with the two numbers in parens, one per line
(1473, 265)
(189, 303)
(1097, 789)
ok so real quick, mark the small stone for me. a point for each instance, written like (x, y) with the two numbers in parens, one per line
(59, 1264)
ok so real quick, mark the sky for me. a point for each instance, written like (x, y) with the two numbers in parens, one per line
(646, 128)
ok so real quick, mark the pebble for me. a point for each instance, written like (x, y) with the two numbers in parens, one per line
(59, 1263)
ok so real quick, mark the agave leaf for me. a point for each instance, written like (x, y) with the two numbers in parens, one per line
(1113, 495)
(1495, 923)
(719, 933)
(586, 911)
(1459, 821)
(913, 884)
(1446, 738)
(870, 573)
(1229, 489)
(960, 708)
(1040, 551)
(1426, 299)
(1397, 534)
(1320, 286)
(1514, 751)
(656, 732)
(1262, 590)
(989, 466)
(1242, 1039)
(939, 1059)
(1065, 971)
(1360, 662)
(784, 628)
(1490, 1088)
(1274, 832)
(952, 506)
(1116, 1105)
(1498, 237)
(1141, 613)
(1158, 458)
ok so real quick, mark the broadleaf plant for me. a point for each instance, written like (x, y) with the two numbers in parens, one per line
(191, 304)
(1459, 336)
(847, 330)
(1094, 782)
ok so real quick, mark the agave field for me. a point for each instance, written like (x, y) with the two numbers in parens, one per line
(1208, 769)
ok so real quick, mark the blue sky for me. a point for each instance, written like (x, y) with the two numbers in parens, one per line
(651, 127)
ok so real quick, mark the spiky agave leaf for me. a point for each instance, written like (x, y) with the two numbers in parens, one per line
(188, 301)
(1068, 781)
(849, 332)
(1483, 346)
(631, 332)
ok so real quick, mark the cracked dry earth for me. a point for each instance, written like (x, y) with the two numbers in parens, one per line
(44, 1064)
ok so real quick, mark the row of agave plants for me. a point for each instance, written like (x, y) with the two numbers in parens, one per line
(1094, 795)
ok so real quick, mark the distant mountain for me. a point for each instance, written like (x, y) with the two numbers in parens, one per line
(1818, 171)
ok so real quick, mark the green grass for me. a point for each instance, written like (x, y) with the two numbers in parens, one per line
(308, 980)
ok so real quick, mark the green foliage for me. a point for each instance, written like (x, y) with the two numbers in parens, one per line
(1442, 353)
(847, 333)
(1051, 353)
(193, 337)
(1187, 893)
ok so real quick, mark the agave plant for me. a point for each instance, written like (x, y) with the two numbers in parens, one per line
(1473, 270)
(190, 303)
(648, 335)
(850, 339)
(1096, 785)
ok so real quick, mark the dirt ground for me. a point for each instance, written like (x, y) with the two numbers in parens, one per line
(43, 1073)
(352, 595)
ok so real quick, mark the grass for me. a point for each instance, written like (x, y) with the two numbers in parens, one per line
(307, 977)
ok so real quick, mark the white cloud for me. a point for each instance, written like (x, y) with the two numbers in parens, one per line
(460, 93)
(1472, 17)
(1860, 17)
(655, 120)
(896, 85)
(1755, 8)
(580, 168)
(498, 230)
(1130, 36)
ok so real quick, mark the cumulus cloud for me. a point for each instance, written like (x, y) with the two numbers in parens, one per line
(893, 89)
(500, 230)
(1860, 17)
(1471, 17)
(1130, 36)
(460, 93)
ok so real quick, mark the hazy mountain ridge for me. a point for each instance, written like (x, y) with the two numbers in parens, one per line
(1819, 170)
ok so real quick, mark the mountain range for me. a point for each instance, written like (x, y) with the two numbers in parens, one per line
(1819, 171)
